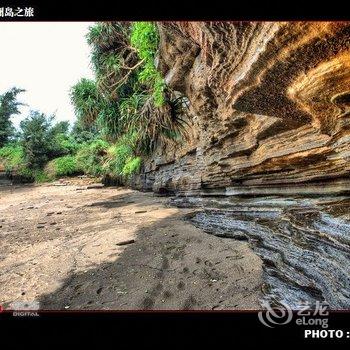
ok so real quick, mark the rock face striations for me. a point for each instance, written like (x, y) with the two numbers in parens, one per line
(269, 108)
(303, 242)
(267, 156)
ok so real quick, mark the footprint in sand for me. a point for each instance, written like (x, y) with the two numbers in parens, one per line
(181, 285)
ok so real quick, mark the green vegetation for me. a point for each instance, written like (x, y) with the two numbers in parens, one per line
(36, 139)
(129, 93)
(65, 166)
(132, 165)
(91, 157)
(145, 39)
(123, 114)
(120, 153)
(39, 176)
(8, 107)
(85, 99)
(12, 156)
(82, 133)
(43, 151)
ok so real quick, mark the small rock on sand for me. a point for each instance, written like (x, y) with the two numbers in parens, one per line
(94, 186)
(126, 242)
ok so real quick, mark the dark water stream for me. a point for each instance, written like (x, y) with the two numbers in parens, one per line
(303, 242)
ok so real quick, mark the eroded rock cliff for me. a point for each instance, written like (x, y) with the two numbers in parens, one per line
(269, 116)
(269, 108)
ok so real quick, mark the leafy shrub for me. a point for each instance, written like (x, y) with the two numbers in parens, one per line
(64, 144)
(65, 166)
(82, 133)
(90, 157)
(25, 173)
(119, 154)
(12, 156)
(36, 139)
(132, 165)
(108, 120)
(40, 175)
(145, 39)
(41, 141)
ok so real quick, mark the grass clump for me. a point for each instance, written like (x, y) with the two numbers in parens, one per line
(65, 166)
(40, 176)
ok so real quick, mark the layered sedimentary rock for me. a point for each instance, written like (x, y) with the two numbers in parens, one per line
(269, 108)
(267, 157)
(303, 242)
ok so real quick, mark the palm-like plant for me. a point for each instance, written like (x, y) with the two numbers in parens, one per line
(129, 96)
(86, 100)
(113, 58)
(109, 120)
(108, 35)
(160, 124)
